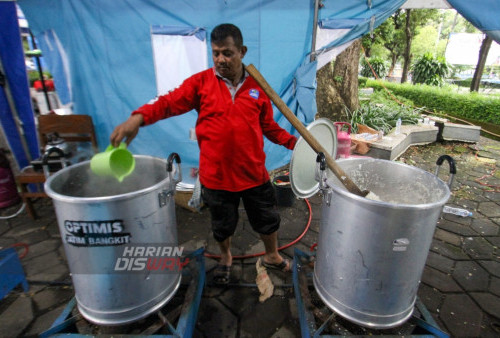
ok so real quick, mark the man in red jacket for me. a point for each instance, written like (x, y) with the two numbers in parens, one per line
(233, 115)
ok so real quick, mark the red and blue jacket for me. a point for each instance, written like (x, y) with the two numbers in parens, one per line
(229, 131)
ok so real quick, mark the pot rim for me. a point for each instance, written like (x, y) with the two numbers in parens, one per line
(100, 199)
(342, 191)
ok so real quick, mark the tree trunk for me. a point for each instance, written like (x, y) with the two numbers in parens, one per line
(483, 54)
(368, 52)
(367, 44)
(338, 87)
(394, 59)
(407, 52)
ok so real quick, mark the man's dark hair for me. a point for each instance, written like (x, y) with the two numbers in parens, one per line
(225, 30)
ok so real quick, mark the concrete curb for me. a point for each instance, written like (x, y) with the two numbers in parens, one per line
(391, 146)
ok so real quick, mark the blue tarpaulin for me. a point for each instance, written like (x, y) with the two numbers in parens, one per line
(108, 44)
(484, 15)
(55, 61)
(16, 112)
(111, 63)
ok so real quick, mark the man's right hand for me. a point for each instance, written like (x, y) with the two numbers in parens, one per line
(127, 130)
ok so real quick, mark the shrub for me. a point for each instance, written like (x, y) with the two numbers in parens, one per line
(463, 83)
(455, 70)
(430, 70)
(34, 75)
(362, 82)
(378, 65)
(383, 97)
(483, 84)
(468, 105)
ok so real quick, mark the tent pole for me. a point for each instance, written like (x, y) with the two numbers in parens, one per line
(315, 29)
(15, 114)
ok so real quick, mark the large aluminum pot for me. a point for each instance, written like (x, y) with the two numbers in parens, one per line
(371, 254)
(107, 227)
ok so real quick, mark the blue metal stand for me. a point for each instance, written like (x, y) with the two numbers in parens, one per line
(185, 325)
(11, 272)
(424, 327)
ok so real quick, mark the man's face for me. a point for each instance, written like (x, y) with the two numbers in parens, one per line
(227, 58)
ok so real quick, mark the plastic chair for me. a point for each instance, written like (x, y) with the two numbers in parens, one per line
(71, 128)
(11, 272)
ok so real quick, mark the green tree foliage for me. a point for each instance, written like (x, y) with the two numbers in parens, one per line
(416, 20)
(392, 37)
(433, 37)
(429, 32)
(378, 65)
(426, 41)
(452, 22)
(430, 70)
(388, 36)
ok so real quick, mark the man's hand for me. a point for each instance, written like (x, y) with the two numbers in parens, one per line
(127, 130)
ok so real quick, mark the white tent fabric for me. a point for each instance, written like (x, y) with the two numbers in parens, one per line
(171, 68)
(323, 38)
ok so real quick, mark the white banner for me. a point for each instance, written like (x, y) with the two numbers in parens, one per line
(176, 58)
(463, 49)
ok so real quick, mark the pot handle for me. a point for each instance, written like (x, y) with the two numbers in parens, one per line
(321, 159)
(45, 159)
(453, 168)
(164, 196)
(320, 168)
(170, 161)
(320, 176)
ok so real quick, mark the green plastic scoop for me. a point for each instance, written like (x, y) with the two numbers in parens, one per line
(114, 161)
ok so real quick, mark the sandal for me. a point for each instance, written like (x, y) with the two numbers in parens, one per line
(284, 266)
(222, 274)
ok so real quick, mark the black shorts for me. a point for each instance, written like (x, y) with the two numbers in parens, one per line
(259, 203)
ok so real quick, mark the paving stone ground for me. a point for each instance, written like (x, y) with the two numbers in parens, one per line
(460, 285)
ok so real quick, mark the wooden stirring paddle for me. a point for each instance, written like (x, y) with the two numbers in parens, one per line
(315, 145)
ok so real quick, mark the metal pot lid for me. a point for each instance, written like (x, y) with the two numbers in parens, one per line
(303, 162)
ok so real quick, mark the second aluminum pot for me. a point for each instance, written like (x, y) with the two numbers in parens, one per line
(371, 254)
